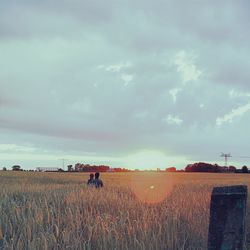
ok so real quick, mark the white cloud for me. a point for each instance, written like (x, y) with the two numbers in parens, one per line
(174, 92)
(228, 118)
(127, 78)
(185, 63)
(234, 94)
(120, 68)
(173, 120)
(116, 67)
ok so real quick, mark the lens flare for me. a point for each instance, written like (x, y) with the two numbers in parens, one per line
(151, 187)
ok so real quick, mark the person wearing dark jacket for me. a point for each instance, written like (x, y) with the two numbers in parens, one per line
(98, 182)
(91, 180)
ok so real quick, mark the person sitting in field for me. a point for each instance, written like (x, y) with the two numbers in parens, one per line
(91, 180)
(98, 182)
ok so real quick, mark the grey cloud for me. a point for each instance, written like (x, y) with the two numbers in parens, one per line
(54, 94)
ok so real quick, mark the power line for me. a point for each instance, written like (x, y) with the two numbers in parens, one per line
(226, 156)
(242, 156)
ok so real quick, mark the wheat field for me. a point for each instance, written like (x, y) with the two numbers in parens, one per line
(132, 211)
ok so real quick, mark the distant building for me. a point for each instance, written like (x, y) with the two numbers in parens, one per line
(110, 170)
(171, 169)
(47, 169)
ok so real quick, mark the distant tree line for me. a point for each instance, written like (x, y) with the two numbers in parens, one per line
(244, 169)
(195, 167)
(214, 168)
(79, 167)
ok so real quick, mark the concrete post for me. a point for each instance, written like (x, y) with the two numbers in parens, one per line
(227, 218)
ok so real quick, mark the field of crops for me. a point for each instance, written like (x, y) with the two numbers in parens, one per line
(132, 211)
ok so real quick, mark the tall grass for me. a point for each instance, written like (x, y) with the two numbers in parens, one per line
(58, 211)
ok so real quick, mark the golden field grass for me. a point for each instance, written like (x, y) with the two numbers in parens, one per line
(153, 211)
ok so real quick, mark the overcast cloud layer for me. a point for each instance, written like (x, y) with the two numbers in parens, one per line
(125, 83)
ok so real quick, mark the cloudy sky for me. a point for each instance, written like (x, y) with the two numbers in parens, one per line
(137, 84)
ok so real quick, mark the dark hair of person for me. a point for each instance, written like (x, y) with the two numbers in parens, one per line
(97, 175)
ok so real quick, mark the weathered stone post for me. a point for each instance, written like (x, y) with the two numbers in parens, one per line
(227, 218)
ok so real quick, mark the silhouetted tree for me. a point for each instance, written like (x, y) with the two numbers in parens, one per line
(70, 168)
(4, 169)
(91, 168)
(232, 169)
(244, 169)
(16, 168)
(204, 167)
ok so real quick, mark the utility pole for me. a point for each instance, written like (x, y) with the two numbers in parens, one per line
(226, 156)
(63, 163)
